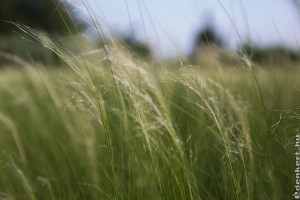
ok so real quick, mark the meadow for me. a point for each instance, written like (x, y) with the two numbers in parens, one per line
(124, 128)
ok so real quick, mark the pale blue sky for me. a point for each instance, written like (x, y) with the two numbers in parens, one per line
(170, 26)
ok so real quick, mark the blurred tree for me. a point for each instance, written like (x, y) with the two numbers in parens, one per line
(296, 3)
(47, 15)
(272, 55)
(207, 47)
(208, 36)
(139, 49)
(136, 47)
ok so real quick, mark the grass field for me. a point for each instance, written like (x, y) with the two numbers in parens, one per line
(124, 129)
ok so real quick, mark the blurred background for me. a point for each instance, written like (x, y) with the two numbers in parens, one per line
(267, 31)
(173, 108)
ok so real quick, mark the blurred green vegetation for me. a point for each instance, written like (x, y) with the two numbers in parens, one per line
(50, 16)
(272, 56)
(113, 124)
(210, 50)
(121, 129)
(137, 48)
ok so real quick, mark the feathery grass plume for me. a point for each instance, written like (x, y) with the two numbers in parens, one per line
(150, 110)
(119, 128)
(81, 69)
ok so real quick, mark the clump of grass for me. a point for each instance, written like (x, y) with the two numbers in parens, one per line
(119, 129)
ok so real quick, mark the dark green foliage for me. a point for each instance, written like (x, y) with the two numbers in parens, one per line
(47, 15)
(15, 51)
(209, 36)
(273, 55)
(138, 48)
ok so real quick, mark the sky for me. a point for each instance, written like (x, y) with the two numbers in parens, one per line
(170, 27)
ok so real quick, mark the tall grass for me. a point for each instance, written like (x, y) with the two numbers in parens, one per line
(122, 129)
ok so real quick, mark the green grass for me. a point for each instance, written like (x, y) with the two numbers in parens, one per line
(122, 129)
